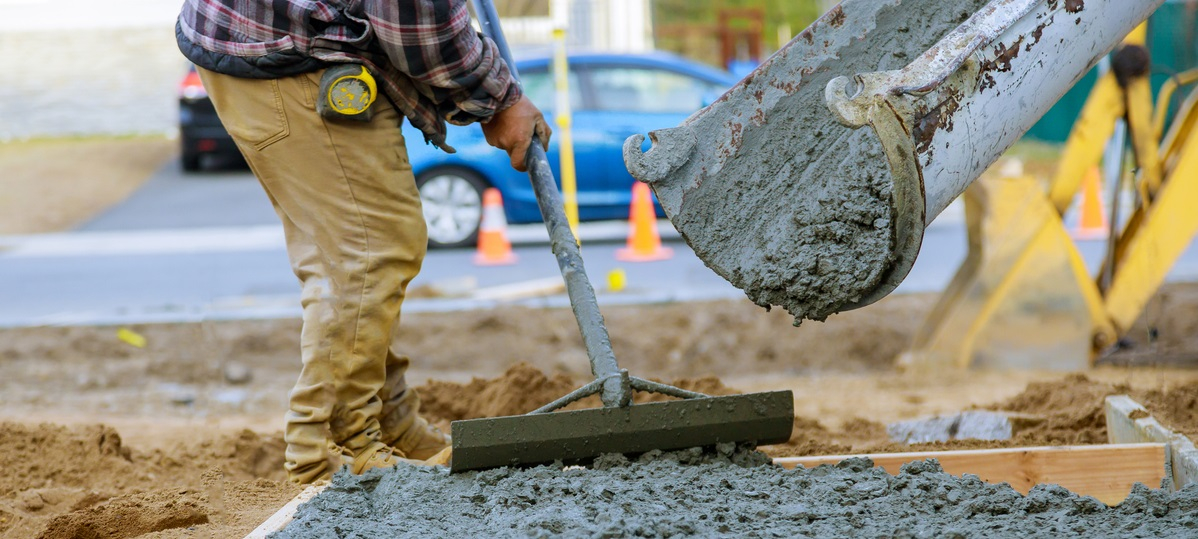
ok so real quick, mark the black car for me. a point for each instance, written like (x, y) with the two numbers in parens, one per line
(201, 134)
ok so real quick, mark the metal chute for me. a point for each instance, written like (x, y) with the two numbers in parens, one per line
(776, 186)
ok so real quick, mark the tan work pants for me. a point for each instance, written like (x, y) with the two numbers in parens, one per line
(356, 237)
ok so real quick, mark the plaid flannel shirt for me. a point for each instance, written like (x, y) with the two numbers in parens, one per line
(428, 59)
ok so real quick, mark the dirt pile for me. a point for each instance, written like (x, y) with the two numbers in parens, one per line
(1072, 410)
(1175, 408)
(1066, 411)
(220, 508)
(133, 515)
(678, 495)
(1069, 411)
(810, 437)
(524, 388)
(57, 457)
(64, 482)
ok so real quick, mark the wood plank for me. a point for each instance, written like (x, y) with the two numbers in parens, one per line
(283, 516)
(1129, 422)
(523, 289)
(1106, 472)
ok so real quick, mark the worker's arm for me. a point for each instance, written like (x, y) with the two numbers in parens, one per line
(432, 42)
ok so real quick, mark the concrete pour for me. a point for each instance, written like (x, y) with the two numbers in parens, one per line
(778, 197)
(730, 493)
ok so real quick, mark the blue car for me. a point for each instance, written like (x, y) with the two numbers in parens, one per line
(612, 96)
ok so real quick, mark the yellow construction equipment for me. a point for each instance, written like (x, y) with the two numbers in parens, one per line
(1023, 297)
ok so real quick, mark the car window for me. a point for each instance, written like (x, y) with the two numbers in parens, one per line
(650, 90)
(538, 86)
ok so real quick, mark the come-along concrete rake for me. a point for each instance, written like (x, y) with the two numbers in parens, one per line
(545, 436)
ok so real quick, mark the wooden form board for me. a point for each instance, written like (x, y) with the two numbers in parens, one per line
(1129, 422)
(283, 516)
(1106, 472)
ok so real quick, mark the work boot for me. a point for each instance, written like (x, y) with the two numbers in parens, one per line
(400, 424)
(421, 440)
(379, 455)
(335, 458)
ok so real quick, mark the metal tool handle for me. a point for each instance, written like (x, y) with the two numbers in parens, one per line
(615, 392)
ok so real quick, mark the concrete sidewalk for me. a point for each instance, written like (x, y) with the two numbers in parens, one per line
(247, 238)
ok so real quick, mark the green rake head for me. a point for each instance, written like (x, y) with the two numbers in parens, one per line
(578, 436)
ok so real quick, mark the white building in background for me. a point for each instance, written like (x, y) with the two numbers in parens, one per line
(601, 25)
(127, 80)
(80, 68)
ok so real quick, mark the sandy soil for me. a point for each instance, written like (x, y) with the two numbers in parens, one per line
(181, 438)
(54, 185)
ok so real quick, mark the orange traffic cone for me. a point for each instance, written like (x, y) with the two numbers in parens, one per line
(494, 249)
(1091, 222)
(644, 243)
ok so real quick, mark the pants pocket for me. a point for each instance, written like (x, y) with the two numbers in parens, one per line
(261, 121)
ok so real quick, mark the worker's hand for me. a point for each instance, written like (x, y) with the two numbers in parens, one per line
(511, 130)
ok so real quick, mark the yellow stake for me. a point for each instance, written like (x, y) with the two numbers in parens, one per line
(563, 120)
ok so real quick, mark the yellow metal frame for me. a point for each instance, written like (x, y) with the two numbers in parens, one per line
(1083, 149)
(1163, 230)
(1139, 125)
(1182, 128)
(1094, 126)
(1165, 96)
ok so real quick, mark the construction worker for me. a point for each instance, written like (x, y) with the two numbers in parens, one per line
(344, 189)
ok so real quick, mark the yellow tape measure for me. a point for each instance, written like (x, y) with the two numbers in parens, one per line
(346, 92)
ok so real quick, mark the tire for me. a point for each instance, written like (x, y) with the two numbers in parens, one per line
(452, 201)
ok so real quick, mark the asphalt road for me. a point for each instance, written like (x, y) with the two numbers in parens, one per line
(225, 196)
(208, 246)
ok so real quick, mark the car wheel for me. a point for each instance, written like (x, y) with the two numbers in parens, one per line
(452, 199)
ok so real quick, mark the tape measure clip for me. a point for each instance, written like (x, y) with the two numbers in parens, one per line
(346, 93)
